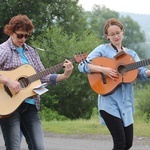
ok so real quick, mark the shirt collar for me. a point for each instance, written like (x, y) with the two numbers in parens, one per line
(13, 47)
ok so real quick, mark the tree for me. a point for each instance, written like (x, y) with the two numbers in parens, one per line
(97, 18)
(133, 35)
(44, 13)
(28, 7)
(72, 98)
(66, 14)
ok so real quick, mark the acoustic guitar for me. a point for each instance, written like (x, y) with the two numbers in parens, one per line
(28, 78)
(127, 70)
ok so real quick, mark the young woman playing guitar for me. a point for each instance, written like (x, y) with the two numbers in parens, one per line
(116, 107)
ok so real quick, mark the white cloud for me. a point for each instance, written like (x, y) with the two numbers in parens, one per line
(132, 6)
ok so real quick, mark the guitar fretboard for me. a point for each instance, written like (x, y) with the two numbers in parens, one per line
(136, 65)
(48, 71)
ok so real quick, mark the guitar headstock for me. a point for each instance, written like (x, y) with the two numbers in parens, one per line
(80, 57)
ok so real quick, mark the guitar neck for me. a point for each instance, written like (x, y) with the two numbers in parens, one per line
(48, 71)
(136, 65)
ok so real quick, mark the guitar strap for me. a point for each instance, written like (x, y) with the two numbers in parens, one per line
(116, 47)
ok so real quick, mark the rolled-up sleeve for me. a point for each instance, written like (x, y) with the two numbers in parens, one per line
(142, 70)
(142, 74)
(53, 78)
(83, 67)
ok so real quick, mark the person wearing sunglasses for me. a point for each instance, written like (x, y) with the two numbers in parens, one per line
(116, 106)
(14, 53)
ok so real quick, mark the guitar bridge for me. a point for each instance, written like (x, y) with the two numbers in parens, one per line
(8, 90)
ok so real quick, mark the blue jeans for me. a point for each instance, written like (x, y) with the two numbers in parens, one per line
(26, 119)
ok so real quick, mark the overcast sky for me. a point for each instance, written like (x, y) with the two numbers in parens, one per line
(132, 6)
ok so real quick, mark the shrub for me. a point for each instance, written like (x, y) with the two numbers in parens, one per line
(142, 97)
(48, 115)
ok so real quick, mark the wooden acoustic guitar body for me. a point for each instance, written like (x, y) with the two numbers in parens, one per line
(104, 85)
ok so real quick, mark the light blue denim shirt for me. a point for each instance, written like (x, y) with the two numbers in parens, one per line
(121, 102)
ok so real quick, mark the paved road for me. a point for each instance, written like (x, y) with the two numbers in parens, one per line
(75, 142)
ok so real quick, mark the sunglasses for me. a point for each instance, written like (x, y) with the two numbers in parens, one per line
(20, 36)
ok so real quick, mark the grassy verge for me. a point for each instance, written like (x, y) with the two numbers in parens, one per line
(75, 127)
(92, 126)
(141, 128)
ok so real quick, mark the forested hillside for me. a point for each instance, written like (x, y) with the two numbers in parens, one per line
(143, 20)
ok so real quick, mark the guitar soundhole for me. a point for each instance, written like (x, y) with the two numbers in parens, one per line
(121, 69)
(24, 82)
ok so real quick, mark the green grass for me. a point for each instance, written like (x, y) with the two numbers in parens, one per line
(141, 128)
(75, 127)
(92, 126)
